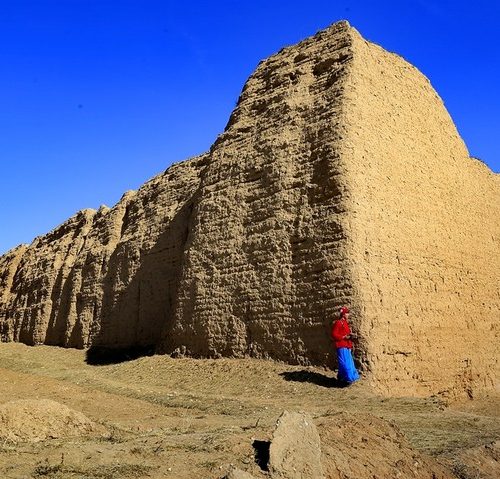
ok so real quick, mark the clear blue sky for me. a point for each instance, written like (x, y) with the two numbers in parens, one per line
(98, 96)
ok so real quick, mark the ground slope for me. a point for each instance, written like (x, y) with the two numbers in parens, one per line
(192, 419)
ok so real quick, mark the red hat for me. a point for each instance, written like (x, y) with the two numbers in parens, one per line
(344, 310)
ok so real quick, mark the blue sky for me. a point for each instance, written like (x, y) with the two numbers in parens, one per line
(98, 96)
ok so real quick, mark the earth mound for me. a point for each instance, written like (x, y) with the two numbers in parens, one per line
(32, 420)
(364, 446)
(478, 462)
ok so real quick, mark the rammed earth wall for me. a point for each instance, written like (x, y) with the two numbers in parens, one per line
(339, 179)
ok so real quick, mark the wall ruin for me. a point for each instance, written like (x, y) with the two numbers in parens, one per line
(339, 179)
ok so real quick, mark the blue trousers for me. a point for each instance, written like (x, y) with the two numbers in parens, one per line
(347, 370)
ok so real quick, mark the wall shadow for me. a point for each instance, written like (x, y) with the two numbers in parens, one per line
(318, 379)
(102, 356)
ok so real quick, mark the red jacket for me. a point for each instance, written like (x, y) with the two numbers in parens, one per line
(339, 331)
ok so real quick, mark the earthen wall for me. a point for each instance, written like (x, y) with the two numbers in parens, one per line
(425, 231)
(103, 278)
(265, 268)
(339, 179)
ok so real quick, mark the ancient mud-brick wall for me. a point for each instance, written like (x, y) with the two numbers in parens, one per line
(265, 267)
(9, 264)
(35, 298)
(424, 225)
(340, 179)
(106, 277)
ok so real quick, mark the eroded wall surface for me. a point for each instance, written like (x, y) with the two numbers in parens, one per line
(105, 277)
(265, 268)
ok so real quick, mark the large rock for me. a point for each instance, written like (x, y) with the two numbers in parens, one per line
(339, 179)
(236, 473)
(295, 451)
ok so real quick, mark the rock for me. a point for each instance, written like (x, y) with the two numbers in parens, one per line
(339, 179)
(295, 451)
(236, 473)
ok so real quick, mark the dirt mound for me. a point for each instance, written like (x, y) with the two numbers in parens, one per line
(478, 462)
(364, 446)
(36, 420)
(347, 446)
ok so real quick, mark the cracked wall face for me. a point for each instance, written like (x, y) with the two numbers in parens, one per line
(339, 179)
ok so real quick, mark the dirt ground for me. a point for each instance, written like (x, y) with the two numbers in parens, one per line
(187, 418)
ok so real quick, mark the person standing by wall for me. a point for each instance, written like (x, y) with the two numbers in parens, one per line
(341, 335)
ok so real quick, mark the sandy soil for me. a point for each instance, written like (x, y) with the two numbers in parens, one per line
(186, 418)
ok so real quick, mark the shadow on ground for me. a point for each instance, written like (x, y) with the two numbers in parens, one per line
(319, 379)
(101, 356)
